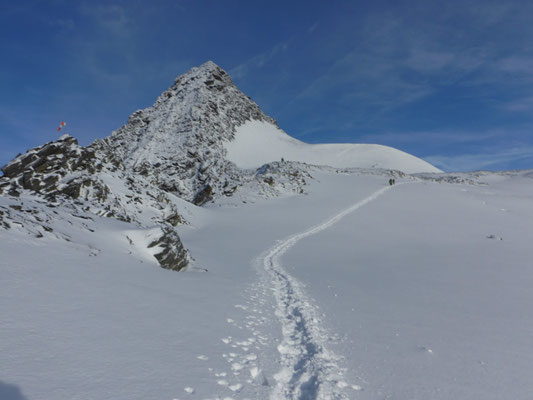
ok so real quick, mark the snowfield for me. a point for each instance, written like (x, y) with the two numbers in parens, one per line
(260, 142)
(306, 275)
(355, 290)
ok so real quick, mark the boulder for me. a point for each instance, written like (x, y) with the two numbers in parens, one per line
(170, 251)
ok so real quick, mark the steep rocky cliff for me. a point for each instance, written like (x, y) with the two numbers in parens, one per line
(178, 143)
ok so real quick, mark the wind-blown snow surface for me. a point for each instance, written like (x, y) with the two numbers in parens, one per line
(353, 291)
(260, 142)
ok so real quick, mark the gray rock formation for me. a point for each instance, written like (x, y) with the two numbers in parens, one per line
(52, 170)
(171, 254)
(178, 142)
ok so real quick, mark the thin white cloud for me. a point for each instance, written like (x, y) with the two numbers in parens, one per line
(390, 60)
(488, 160)
(312, 28)
(391, 64)
(113, 18)
(436, 137)
(111, 41)
(425, 60)
(514, 70)
(524, 104)
(240, 71)
(371, 79)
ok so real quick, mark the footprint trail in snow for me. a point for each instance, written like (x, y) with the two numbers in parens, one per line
(308, 369)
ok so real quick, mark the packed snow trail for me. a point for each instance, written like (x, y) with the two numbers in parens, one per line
(308, 369)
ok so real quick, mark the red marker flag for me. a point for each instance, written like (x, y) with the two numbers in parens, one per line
(61, 125)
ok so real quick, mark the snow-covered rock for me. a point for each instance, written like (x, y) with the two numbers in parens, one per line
(85, 181)
(178, 143)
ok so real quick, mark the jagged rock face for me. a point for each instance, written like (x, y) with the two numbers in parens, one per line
(63, 170)
(178, 142)
(74, 177)
(43, 170)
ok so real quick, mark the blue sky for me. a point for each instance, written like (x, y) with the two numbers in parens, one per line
(449, 81)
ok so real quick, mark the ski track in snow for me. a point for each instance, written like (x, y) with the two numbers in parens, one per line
(308, 369)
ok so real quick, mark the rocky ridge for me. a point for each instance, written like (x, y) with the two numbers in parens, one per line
(142, 173)
(178, 142)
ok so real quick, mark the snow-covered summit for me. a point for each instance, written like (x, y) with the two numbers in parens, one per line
(179, 140)
(258, 142)
(202, 140)
(198, 135)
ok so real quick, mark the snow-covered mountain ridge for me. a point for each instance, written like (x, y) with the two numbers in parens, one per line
(190, 141)
(258, 142)
(202, 141)
(178, 142)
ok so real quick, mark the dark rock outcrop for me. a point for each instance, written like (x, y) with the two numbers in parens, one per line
(170, 251)
(41, 169)
(62, 172)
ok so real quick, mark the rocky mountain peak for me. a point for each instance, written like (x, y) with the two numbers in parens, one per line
(177, 143)
(141, 173)
(209, 74)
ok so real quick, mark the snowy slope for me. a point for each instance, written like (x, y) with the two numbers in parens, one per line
(260, 142)
(356, 290)
(302, 282)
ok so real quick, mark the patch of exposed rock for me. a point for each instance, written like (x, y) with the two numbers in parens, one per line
(56, 168)
(169, 251)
